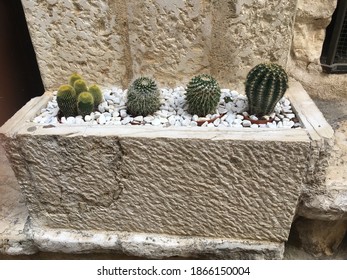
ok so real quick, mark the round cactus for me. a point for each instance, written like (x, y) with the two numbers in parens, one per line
(66, 99)
(85, 103)
(97, 94)
(80, 86)
(202, 95)
(143, 97)
(73, 78)
(266, 84)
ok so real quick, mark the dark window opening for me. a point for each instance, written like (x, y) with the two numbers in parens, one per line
(20, 78)
(334, 53)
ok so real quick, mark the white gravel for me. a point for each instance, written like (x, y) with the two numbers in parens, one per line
(231, 112)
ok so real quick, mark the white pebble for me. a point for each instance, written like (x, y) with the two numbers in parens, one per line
(148, 119)
(186, 122)
(195, 118)
(253, 118)
(172, 120)
(178, 123)
(123, 113)
(222, 110)
(193, 124)
(71, 120)
(240, 117)
(254, 125)
(102, 119)
(216, 122)
(230, 118)
(156, 122)
(290, 116)
(126, 120)
(246, 123)
(87, 118)
(271, 125)
(138, 119)
(237, 121)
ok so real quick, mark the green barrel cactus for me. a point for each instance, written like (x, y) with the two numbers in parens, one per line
(80, 86)
(73, 78)
(266, 84)
(97, 94)
(85, 103)
(143, 97)
(202, 95)
(66, 99)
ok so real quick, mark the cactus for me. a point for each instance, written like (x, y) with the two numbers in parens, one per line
(265, 86)
(85, 103)
(143, 97)
(80, 86)
(97, 95)
(73, 78)
(66, 99)
(202, 95)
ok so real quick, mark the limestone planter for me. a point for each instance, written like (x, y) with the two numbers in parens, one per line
(190, 189)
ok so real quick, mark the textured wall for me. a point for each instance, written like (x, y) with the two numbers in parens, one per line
(309, 33)
(170, 40)
(111, 42)
(232, 189)
(248, 32)
(85, 36)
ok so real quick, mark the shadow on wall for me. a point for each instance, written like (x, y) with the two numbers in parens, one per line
(20, 77)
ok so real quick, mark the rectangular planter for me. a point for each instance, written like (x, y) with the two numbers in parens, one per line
(241, 184)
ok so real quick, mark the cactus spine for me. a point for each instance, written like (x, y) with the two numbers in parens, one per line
(73, 78)
(85, 103)
(80, 86)
(143, 97)
(97, 95)
(202, 95)
(66, 99)
(265, 86)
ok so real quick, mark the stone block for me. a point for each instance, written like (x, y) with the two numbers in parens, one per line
(239, 184)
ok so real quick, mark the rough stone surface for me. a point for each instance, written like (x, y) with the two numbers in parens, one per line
(13, 213)
(170, 40)
(153, 246)
(84, 36)
(248, 32)
(319, 237)
(312, 18)
(332, 203)
(110, 42)
(147, 185)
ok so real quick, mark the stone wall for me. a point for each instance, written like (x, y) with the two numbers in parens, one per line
(312, 18)
(112, 42)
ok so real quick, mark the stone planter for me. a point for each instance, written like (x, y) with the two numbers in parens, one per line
(189, 189)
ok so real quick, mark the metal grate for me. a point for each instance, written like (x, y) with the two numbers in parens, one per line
(341, 50)
(334, 54)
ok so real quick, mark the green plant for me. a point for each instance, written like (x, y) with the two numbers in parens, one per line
(85, 103)
(73, 78)
(97, 94)
(66, 99)
(143, 97)
(80, 86)
(266, 84)
(202, 95)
